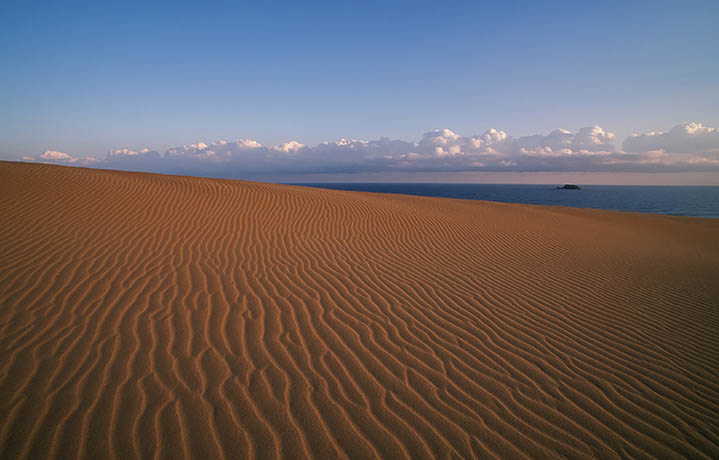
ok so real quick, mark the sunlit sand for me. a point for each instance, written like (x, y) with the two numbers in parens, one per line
(150, 316)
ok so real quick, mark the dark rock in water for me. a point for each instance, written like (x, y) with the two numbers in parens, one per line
(569, 187)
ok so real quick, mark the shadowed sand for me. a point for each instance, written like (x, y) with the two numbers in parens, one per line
(157, 316)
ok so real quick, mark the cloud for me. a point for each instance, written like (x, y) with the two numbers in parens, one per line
(689, 147)
(289, 147)
(55, 156)
(143, 159)
(686, 138)
(125, 153)
(444, 142)
(592, 139)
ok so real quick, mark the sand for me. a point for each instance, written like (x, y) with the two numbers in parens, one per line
(151, 316)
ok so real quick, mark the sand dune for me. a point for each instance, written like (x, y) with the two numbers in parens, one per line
(149, 316)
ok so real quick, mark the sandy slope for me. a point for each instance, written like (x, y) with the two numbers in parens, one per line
(168, 317)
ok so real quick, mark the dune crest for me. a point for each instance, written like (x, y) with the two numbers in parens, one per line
(150, 316)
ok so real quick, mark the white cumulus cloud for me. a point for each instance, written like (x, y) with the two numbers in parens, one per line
(688, 147)
(591, 139)
(287, 147)
(55, 155)
(685, 138)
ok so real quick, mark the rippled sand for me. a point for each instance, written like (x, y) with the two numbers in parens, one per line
(149, 316)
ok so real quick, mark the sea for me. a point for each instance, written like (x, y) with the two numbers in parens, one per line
(695, 201)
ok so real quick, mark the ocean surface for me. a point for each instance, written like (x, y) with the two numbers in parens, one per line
(696, 201)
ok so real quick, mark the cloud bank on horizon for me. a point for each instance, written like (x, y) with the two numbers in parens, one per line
(686, 147)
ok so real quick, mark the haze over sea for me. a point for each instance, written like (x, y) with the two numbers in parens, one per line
(695, 201)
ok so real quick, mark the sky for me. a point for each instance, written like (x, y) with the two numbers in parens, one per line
(365, 91)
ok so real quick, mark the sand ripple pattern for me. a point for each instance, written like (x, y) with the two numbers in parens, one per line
(148, 316)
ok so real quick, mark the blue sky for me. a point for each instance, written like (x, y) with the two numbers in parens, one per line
(85, 78)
